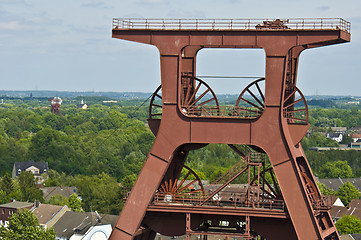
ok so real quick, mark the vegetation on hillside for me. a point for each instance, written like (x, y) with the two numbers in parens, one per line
(106, 144)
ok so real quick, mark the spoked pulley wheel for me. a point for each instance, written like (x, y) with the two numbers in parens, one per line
(155, 106)
(197, 98)
(251, 106)
(182, 187)
(295, 107)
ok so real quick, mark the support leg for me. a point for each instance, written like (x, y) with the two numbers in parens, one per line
(142, 193)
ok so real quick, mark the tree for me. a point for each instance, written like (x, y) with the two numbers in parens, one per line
(347, 192)
(100, 192)
(325, 190)
(28, 189)
(129, 181)
(335, 169)
(7, 184)
(346, 139)
(348, 225)
(58, 200)
(74, 203)
(25, 226)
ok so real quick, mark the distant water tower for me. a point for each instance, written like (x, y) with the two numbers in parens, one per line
(55, 105)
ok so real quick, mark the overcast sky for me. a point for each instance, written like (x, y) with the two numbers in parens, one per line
(67, 45)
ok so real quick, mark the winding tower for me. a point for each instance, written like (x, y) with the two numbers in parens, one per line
(270, 118)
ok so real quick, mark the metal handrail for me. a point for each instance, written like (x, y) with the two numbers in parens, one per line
(223, 111)
(232, 24)
(236, 200)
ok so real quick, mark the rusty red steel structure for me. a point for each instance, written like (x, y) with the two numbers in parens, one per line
(55, 104)
(185, 115)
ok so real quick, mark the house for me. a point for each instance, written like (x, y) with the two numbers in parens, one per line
(355, 203)
(82, 105)
(77, 225)
(8, 209)
(335, 136)
(355, 129)
(60, 190)
(335, 183)
(339, 130)
(351, 237)
(355, 136)
(36, 168)
(355, 145)
(338, 212)
(100, 232)
(48, 214)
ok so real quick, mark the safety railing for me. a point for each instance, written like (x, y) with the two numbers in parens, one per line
(236, 200)
(323, 204)
(223, 111)
(232, 24)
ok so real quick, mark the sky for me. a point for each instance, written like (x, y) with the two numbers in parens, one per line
(67, 45)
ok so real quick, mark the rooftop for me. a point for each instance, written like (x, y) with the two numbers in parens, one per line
(17, 205)
(63, 191)
(45, 212)
(78, 222)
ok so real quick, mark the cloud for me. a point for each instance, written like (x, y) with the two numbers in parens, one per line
(13, 25)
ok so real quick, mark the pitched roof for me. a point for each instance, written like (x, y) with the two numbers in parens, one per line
(351, 237)
(356, 212)
(17, 205)
(63, 191)
(355, 203)
(338, 212)
(72, 222)
(356, 236)
(335, 183)
(355, 135)
(346, 237)
(339, 129)
(331, 183)
(25, 165)
(45, 212)
(334, 135)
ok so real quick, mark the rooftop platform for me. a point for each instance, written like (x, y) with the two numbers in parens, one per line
(232, 24)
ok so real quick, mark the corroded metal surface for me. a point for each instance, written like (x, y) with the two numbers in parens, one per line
(187, 120)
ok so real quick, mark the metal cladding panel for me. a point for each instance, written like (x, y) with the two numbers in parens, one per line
(212, 131)
(274, 82)
(138, 201)
(163, 146)
(170, 43)
(206, 38)
(134, 36)
(325, 37)
(240, 39)
(169, 73)
(297, 203)
(277, 44)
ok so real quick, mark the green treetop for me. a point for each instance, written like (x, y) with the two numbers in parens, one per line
(348, 225)
(347, 192)
(25, 226)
